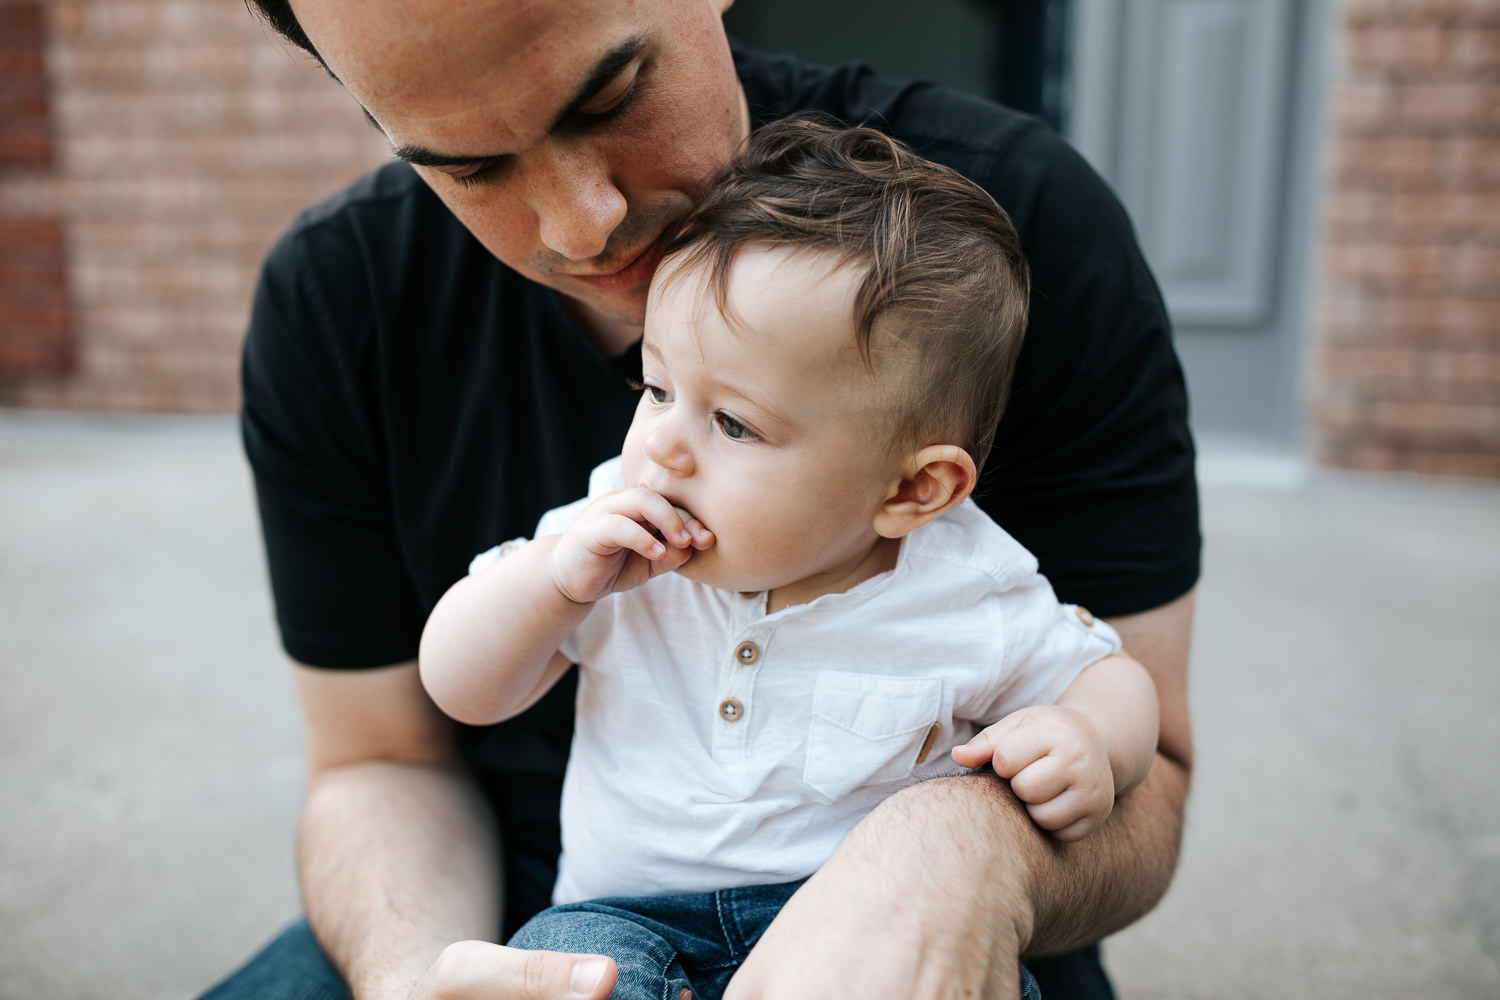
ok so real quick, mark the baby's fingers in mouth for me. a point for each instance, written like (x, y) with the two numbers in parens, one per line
(701, 537)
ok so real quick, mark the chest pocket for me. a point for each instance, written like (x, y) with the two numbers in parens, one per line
(867, 729)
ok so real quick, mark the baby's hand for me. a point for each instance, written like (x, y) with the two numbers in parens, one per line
(1056, 763)
(622, 540)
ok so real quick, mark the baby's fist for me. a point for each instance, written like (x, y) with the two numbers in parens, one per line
(1056, 763)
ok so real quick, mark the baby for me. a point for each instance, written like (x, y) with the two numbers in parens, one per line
(783, 605)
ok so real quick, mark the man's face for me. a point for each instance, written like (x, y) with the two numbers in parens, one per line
(768, 428)
(566, 135)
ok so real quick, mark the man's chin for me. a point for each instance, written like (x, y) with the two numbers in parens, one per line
(612, 321)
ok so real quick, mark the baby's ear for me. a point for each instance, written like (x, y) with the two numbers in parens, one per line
(937, 479)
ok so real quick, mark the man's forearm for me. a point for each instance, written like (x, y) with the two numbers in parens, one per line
(1085, 890)
(1049, 896)
(397, 862)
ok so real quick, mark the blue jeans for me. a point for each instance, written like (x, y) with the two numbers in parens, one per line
(293, 967)
(663, 945)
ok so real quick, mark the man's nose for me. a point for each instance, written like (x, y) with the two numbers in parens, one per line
(576, 202)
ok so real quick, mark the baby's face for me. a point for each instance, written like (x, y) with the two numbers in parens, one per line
(771, 431)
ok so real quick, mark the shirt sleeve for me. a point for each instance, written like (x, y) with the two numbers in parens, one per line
(341, 589)
(1044, 646)
(1093, 464)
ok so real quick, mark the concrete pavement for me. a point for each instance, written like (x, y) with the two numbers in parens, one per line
(1344, 831)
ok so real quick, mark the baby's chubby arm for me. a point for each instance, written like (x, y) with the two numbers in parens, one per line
(490, 648)
(1069, 761)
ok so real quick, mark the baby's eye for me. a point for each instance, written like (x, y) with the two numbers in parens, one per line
(733, 429)
(656, 392)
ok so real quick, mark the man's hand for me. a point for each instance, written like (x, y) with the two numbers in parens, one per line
(620, 541)
(1056, 763)
(479, 970)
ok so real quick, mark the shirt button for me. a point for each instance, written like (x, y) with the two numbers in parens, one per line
(747, 653)
(1085, 615)
(730, 710)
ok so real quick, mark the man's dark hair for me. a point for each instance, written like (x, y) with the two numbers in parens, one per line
(945, 287)
(278, 14)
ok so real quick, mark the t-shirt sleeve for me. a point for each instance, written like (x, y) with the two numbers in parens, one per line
(1043, 647)
(1093, 465)
(341, 589)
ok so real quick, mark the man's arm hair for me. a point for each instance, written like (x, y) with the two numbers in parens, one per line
(1083, 891)
(397, 851)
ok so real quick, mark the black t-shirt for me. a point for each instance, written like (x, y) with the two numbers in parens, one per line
(410, 401)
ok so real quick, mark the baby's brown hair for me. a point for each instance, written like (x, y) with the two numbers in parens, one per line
(944, 277)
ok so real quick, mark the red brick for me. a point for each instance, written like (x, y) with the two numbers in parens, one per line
(1385, 265)
(1413, 420)
(1380, 364)
(1461, 319)
(1465, 11)
(1340, 312)
(1435, 105)
(30, 239)
(136, 21)
(1384, 45)
(1473, 160)
(20, 19)
(22, 65)
(1454, 211)
(1477, 270)
(1341, 406)
(1467, 465)
(1476, 48)
(1473, 367)
(1365, 106)
(1385, 162)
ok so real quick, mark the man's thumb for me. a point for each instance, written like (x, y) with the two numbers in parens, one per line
(589, 978)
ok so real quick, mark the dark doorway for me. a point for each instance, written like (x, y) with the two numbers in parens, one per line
(1012, 51)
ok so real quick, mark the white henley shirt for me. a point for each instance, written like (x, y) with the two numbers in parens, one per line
(718, 746)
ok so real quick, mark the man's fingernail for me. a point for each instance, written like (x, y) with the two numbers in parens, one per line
(586, 975)
(963, 747)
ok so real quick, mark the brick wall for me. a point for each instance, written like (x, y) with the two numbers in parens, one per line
(181, 140)
(1407, 360)
(35, 333)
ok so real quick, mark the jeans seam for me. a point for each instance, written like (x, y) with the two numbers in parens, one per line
(731, 937)
(666, 981)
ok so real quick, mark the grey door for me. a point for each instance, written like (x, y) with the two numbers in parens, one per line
(1203, 115)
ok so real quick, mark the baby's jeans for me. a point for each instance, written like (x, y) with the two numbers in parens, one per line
(665, 944)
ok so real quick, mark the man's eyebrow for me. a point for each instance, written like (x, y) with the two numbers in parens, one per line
(606, 69)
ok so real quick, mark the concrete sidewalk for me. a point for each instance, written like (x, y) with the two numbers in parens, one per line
(1344, 831)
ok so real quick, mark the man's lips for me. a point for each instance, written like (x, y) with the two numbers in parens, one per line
(633, 275)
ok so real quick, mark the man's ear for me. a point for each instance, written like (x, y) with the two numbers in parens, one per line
(936, 480)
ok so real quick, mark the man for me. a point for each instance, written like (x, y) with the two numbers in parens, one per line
(437, 355)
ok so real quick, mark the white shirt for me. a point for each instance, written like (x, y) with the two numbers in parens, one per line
(717, 746)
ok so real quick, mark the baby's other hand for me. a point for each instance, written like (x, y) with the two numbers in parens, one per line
(620, 541)
(1056, 763)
